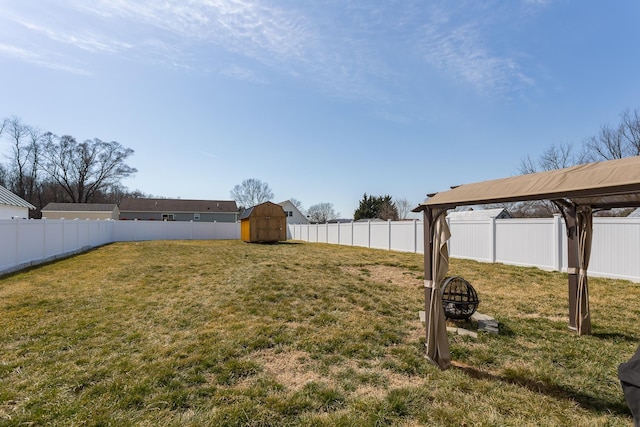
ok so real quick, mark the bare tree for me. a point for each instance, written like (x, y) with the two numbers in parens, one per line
(554, 157)
(630, 129)
(84, 169)
(251, 192)
(616, 142)
(321, 213)
(4, 176)
(23, 168)
(608, 144)
(404, 207)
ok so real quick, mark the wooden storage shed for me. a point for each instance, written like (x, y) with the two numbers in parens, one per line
(263, 223)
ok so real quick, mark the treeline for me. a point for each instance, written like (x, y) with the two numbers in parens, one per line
(42, 167)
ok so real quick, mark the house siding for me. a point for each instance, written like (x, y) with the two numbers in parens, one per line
(79, 215)
(181, 216)
(296, 217)
(9, 212)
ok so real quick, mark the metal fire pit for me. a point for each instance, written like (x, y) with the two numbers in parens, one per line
(459, 299)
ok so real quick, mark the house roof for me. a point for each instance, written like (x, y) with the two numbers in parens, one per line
(129, 204)
(80, 207)
(476, 214)
(608, 184)
(10, 199)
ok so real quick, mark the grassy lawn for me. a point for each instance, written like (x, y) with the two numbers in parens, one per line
(226, 333)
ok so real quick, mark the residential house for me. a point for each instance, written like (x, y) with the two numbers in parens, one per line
(102, 211)
(178, 210)
(12, 206)
(479, 214)
(294, 216)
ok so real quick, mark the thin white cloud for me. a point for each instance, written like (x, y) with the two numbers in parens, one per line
(83, 39)
(243, 27)
(462, 52)
(241, 73)
(37, 59)
(208, 154)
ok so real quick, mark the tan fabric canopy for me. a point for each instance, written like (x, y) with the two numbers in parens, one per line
(437, 343)
(613, 183)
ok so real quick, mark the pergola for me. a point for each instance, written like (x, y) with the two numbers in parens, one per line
(577, 192)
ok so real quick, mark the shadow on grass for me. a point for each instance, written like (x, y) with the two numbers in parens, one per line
(588, 402)
(616, 336)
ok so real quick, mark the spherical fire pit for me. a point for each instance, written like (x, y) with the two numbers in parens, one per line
(459, 299)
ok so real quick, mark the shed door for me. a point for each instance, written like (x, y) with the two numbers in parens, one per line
(268, 229)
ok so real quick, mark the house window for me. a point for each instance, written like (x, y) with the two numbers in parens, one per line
(168, 217)
(196, 217)
(289, 213)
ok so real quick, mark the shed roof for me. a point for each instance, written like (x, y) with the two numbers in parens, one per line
(247, 212)
(80, 207)
(607, 184)
(129, 204)
(10, 199)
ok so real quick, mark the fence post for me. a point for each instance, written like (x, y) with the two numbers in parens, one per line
(44, 238)
(352, 244)
(415, 236)
(556, 241)
(17, 248)
(492, 239)
(389, 235)
(369, 234)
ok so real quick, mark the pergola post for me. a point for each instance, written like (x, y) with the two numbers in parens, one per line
(572, 262)
(578, 302)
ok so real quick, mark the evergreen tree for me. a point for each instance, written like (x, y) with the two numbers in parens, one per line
(376, 207)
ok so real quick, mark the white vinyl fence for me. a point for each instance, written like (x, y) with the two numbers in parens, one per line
(29, 242)
(525, 242)
(538, 243)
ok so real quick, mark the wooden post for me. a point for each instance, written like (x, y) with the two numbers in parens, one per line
(572, 263)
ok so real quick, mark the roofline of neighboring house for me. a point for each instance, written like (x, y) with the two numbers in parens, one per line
(294, 206)
(91, 212)
(174, 211)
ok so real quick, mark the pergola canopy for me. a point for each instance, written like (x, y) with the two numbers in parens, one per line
(577, 191)
(602, 185)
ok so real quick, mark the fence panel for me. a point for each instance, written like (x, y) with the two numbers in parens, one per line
(403, 236)
(346, 233)
(379, 235)
(361, 234)
(616, 248)
(526, 242)
(470, 240)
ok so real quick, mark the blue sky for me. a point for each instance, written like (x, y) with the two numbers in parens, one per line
(322, 99)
